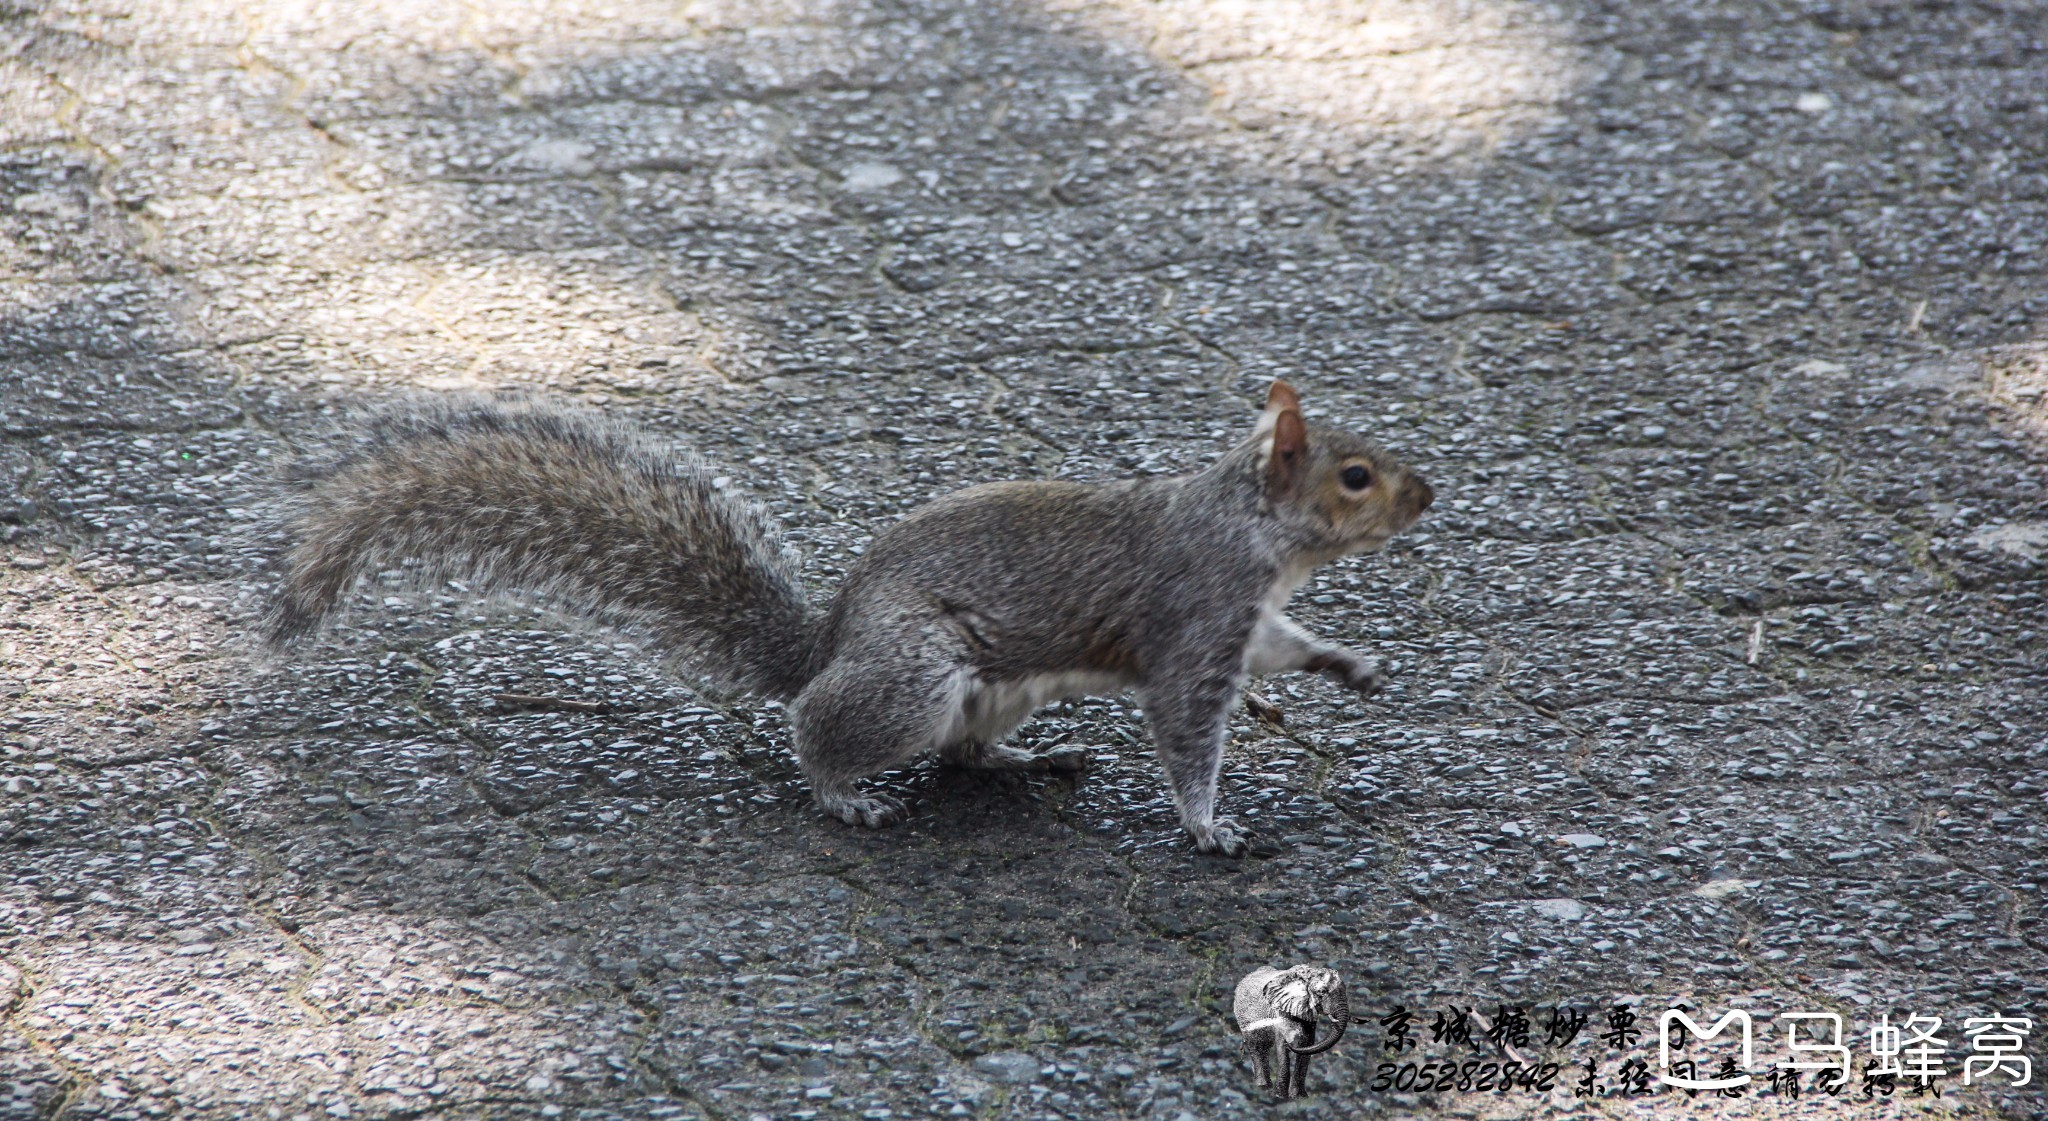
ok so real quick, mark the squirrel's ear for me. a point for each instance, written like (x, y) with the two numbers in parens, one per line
(1287, 451)
(1282, 397)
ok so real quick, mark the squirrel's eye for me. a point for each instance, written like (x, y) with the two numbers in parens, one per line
(1356, 477)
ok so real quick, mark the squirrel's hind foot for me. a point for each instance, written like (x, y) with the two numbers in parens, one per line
(1222, 837)
(998, 757)
(1068, 760)
(870, 811)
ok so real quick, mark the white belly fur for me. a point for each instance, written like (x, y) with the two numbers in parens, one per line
(987, 710)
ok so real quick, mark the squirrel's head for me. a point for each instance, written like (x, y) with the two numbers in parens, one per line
(1337, 486)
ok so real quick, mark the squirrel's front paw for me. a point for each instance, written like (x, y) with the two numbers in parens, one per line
(1222, 837)
(872, 811)
(1359, 673)
(1068, 760)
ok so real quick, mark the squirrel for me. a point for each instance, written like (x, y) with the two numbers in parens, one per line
(956, 623)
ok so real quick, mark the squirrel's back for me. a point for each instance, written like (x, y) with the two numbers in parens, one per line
(1039, 576)
(562, 503)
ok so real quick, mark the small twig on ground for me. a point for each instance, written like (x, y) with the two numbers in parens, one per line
(1756, 642)
(529, 700)
(1265, 710)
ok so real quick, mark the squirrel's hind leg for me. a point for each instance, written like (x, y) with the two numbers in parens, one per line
(979, 756)
(868, 713)
(990, 712)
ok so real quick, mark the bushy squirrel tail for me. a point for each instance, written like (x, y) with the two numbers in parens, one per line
(565, 505)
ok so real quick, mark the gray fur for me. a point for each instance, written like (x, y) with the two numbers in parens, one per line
(954, 625)
(561, 504)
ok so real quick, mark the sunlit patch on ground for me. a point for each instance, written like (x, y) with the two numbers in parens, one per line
(1333, 80)
(342, 163)
(86, 661)
(2017, 378)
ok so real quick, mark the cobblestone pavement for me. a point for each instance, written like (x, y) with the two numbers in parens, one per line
(1722, 330)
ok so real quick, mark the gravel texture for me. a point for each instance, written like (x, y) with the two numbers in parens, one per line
(1721, 329)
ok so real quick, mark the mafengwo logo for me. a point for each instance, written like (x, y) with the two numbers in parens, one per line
(1605, 1049)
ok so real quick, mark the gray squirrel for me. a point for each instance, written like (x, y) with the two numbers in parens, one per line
(954, 625)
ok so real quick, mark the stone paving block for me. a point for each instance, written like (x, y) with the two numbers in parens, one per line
(117, 806)
(1849, 559)
(221, 1073)
(1784, 739)
(1688, 195)
(58, 230)
(399, 223)
(688, 201)
(33, 1084)
(241, 985)
(1589, 582)
(368, 965)
(1562, 668)
(1390, 772)
(1870, 939)
(101, 321)
(1759, 825)
(340, 830)
(579, 1053)
(94, 690)
(252, 148)
(123, 393)
(377, 60)
(1944, 637)
(42, 104)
